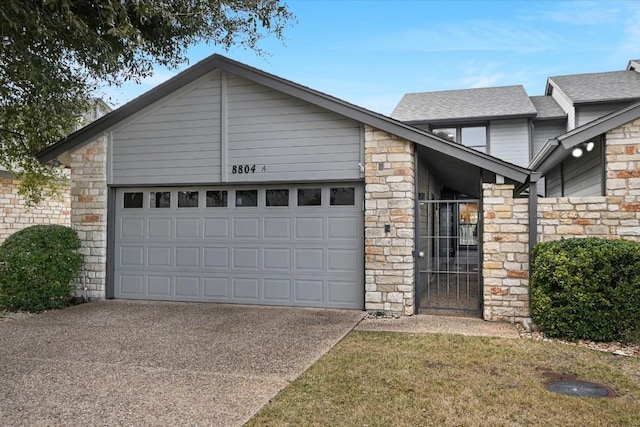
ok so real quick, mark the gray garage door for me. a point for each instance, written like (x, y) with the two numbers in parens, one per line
(278, 245)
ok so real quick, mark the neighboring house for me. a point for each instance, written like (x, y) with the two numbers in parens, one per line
(15, 215)
(228, 184)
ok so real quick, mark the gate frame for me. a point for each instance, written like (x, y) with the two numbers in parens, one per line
(476, 312)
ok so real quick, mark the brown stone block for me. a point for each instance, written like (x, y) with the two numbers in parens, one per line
(490, 215)
(499, 291)
(630, 149)
(628, 174)
(584, 221)
(403, 171)
(630, 207)
(518, 273)
(85, 199)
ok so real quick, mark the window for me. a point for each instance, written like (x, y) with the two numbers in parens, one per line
(217, 199)
(246, 198)
(187, 199)
(472, 136)
(468, 224)
(309, 197)
(342, 196)
(475, 137)
(277, 197)
(446, 133)
(160, 199)
(132, 200)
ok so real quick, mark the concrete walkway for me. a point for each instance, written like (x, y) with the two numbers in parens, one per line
(152, 363)
(423, 323)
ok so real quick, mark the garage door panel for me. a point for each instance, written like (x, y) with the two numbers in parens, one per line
(187, 257)
(246, 228)
(188, 287)
(246, 288)
(187, 228)
(159, 286)
(132, 228)
(277, 290)
(216, 258)
(277, 259)
(309, 228)
(216, 228)
(132, 256)
(342, 260)
(342, 292)
(159, 256)
(309, 291)
(246, 258)
(160, 228)
(309, 259)
(216, 288)
(345, 228)
(277, 228)
(132, 284)
(308, 255)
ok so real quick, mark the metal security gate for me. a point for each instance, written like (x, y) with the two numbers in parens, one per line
(449, 249)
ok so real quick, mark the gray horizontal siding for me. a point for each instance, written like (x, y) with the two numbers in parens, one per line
(176, 142)
(287, 138)
(542, 131)
(583, 175)
(509, 140)
(553, 183)
(578, 177)
(589, 113)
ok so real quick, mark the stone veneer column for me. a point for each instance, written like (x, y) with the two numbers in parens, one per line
(389, 200)
(89, 212)
(505, 266)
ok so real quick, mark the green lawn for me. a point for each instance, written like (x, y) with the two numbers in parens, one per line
(393, 379)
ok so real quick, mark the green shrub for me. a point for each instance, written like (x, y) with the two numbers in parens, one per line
(587, 289)
(37, 267)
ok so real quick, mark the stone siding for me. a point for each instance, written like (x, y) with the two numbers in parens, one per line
(505, 250)
(389, 201)
(15, 215)
(89, 213)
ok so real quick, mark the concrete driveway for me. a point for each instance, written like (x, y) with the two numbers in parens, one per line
(152, 363)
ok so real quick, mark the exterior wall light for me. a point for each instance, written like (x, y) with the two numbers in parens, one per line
(579, 150)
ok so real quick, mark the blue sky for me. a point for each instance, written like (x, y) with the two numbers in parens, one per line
(372, 52)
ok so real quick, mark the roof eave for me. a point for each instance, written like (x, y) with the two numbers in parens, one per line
(475, 119)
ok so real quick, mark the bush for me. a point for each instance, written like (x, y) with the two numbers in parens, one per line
(587, 289)
(37, 267)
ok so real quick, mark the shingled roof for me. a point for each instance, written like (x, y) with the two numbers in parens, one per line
(465, 104)
(598, 87)
(547, 108)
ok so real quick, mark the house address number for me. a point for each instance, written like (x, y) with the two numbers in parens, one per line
(238, 169)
